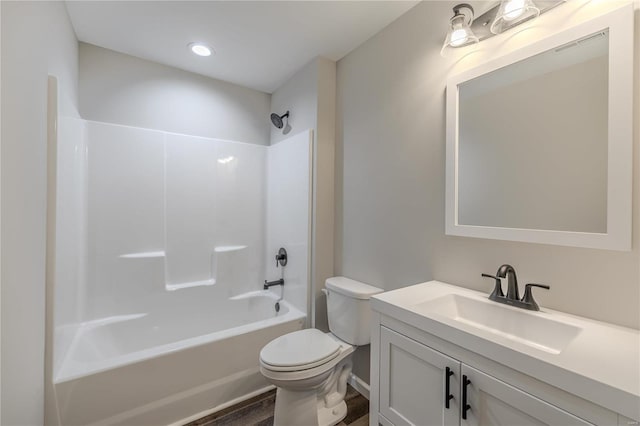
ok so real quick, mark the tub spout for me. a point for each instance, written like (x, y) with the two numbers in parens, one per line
(268, 284)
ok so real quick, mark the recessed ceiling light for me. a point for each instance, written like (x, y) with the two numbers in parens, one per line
(200, 49)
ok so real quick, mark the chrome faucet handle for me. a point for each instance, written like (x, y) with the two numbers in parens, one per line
(497, 290)
(528, 299)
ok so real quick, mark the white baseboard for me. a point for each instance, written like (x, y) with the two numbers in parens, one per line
(358, 384)
(222, 406)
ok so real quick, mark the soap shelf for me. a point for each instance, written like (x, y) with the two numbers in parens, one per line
(161, 253)
(225, 249)
(143, 255)
(180, 286)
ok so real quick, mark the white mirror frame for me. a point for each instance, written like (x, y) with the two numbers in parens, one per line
(620, 139)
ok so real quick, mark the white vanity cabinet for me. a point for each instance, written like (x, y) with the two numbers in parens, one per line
(521, 367)
(415, 382)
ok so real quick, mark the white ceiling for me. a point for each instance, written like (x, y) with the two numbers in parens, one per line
(258, 44)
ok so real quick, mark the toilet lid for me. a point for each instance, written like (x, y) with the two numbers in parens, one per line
(305, 348)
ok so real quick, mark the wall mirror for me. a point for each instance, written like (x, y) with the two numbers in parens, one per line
(539, 141)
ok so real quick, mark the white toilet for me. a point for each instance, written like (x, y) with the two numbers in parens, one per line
(311, 368)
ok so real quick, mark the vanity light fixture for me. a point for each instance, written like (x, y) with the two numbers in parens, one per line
(466, 29)
(512, 13)
(200, 49)
(459, 33)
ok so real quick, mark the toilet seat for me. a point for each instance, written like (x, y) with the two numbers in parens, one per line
(303, 374)
(299, 350)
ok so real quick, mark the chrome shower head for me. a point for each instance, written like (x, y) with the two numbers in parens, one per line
(277, 119)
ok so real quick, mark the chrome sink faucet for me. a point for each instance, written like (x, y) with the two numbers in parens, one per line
(513, 297)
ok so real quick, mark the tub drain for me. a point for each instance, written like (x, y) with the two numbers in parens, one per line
(277, 306)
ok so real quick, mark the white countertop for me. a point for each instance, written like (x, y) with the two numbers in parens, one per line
(601, 364)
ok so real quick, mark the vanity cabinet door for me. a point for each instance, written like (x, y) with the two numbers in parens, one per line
(413, 382)
(493, 402)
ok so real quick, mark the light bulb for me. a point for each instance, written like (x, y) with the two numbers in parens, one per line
(513, 10)
(458, 37)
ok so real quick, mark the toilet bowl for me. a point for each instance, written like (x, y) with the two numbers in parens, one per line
(310, 368)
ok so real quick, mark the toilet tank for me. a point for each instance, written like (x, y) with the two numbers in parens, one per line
(348, 309)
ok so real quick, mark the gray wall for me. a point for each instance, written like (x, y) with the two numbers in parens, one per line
(390, 177)
(122, 89)
(37, 40)
(299, 96)
(310, 97)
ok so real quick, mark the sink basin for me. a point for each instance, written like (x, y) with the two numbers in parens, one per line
(531, 329)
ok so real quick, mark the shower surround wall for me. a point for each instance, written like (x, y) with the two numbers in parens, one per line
(172, 235)
(170, 211)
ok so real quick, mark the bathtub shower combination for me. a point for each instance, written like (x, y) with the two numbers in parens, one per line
(163, 244)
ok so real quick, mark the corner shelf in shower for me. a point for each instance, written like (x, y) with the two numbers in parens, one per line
(143, 255)
(180, 286)
(226, 249)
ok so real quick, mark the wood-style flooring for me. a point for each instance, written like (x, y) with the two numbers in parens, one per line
(258, 411)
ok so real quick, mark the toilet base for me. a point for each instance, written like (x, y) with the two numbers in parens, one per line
(294, 408)
(322, 405)
(331, 416)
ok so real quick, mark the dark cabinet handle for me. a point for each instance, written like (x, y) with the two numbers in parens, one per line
(447, 390)
(465, 406)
